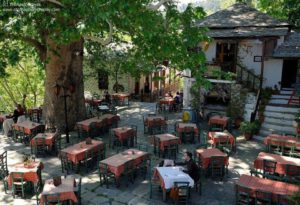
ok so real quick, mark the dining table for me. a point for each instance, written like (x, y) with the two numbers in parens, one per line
(116, 163)
(205, 155)
(76, 153)
(49, 138)
(86, 124)
(219, 120)
(125, 133)
(168, 175)
(281, 162)
(65, 190)
(275, 187)
(281, 140)
(218, 137)
(28, 127)
(165, 140)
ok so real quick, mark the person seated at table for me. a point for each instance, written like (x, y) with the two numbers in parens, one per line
(177, 98)
(191, 166)
(7, 124)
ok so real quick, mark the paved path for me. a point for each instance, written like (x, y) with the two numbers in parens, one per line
(214, 192)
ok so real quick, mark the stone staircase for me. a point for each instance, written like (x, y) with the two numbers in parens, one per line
(279, 116)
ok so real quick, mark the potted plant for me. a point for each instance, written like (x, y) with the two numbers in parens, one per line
(256, 126)
(261, 111)
(297, 120)
(247, 128)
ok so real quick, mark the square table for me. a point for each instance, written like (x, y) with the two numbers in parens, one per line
(282, 140)
(116, 163)
(85, 124)
(149, 121)
(66, 189)
(124, 133)
(275, 187)
(181, 126)
(28, 127)
(206, 154)
(165, 140)
(167, 101)
(76, 152)
(49, 139)
(282, 162)
(217, 137)
(168, 175)
(218, 120)
(30, 171)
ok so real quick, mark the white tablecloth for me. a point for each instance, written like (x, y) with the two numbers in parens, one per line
(173, 174)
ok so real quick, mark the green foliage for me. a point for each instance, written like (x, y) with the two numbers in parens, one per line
(288, 10)
(248, 127)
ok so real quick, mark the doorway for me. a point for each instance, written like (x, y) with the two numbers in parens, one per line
(226, 56)
(289, 73)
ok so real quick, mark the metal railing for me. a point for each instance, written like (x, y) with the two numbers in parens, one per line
(253, 114)
(248, 78)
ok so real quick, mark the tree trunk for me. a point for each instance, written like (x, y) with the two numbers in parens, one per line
(64, 67)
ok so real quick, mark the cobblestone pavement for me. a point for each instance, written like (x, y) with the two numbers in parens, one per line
(214, 192)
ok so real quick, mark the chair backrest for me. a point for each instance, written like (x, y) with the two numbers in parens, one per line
(263, 196)
(103, 168)
(51, 198)
(292, 170)
(39, 141)
(188, 130)
(3, 161)
(17, 176)
(283, 200)
(129, 165)
(183, 188)
(78, 187)
(217, 161)
(269, 166)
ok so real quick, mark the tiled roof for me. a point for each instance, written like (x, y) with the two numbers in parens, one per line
(247, 32)
(290, 48)
(239, 15)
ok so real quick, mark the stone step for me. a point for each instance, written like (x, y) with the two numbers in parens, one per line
(287, 89)
(279, 115)
(265, 132)
(277, 127)
(274, 108)
(286, 92)
(280, 121)
(250, 106)
(280, 97)
(279, 101)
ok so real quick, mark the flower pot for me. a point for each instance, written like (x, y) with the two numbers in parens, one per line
(248, 136)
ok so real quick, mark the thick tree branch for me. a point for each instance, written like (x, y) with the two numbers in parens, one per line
(54, 2)
(103, 42)
(158, 5)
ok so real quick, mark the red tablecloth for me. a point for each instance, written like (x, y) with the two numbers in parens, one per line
(120, 96)
(30, 171)
(282, 140)
(65, 190)
(165, 140)
(275, 187)
(28, 126)
(85, 124)
(218, 120)
(206, 154)
(124, 133)
(116, 163)
(76, 152)
(167, 101)
(182, 126)
(221, 137)
(150, 121)
(49, 138)
(282, 161)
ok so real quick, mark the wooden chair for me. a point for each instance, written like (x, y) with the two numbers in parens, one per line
(156, 128)
(40, 147)
(170, 151)
(18, 183)
(263, 197)
(183, 192)
(51, 199)
(203, 139)
(129, 172)
(145, 126)
(3, 176)
(224, 145)
(142, 168)
(154, 181)
(295, 152)
(38, 191)
(275, 147)
(283, 200)
(243, 195)
(57, 144)
(88, 159)
(3, 163)
(198, 184)
(292, 174)
(188, 134)
(105, 175)
(94, 130)
(156, 149)
(269, 168)
(217, 166)
(134, 142)
(81, 133)
(65, 163)
(78, 191)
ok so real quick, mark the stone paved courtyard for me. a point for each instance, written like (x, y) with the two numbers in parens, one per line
(213, 193)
